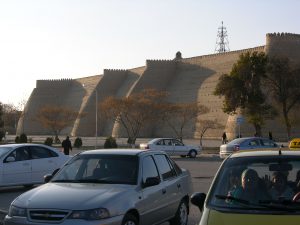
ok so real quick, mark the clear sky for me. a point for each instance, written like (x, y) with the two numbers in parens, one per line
(54, 39)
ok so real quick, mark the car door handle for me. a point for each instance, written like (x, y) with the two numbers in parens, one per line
(164, 191)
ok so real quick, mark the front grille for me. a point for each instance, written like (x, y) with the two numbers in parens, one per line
(48, 215)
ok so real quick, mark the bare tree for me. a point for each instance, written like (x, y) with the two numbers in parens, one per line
(206, 125)
(135, 111)
(178, 116)
(11, 115)
(56, 118)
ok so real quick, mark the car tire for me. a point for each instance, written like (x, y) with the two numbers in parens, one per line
(181, 216)
(192, 153)
(130, 219)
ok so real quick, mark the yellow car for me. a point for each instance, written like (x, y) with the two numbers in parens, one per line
(261, 187)
(294, 144)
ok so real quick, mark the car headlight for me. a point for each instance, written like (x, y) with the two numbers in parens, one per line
(16, 211)
(93, 214)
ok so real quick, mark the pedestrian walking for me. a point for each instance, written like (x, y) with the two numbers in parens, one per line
(224, 138)
(66, 144)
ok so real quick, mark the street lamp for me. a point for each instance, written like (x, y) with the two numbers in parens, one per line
(96, 132)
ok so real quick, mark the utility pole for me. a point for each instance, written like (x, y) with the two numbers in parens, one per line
(222, 44)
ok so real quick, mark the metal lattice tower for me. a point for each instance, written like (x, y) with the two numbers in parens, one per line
(222, 44)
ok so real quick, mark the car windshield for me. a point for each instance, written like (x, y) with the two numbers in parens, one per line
(4, 150)
(266, 183)
(95, 168)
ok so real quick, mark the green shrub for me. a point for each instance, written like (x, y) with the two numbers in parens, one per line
(49, 141)
(23, 138)
(110, 142)
(17, 139)
(77, 142)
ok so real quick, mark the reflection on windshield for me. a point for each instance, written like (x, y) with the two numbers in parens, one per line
(109, 169)
(267, 183)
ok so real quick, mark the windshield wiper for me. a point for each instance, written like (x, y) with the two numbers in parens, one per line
(262, 204)
(284, 204)
(228, 197)
(65, 181)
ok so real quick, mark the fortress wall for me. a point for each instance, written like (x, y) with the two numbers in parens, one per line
(195, 81)
(284, 45)
(82, 94)
(47, 92)
(187, 80)
(109, 85)
(157, 75)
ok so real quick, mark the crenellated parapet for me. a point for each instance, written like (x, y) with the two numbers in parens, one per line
(285, 36)
(283, 45)
(54, 83)
(114, 71)
(153, 62)
(226, 54)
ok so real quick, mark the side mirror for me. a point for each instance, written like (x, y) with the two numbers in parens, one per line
(47, 178)
(10, 159)
(151, 181)
(198, 199)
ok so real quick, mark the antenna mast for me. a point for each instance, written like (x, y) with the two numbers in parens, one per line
(222, 44)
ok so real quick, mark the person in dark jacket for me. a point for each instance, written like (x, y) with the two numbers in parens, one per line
(66, 144)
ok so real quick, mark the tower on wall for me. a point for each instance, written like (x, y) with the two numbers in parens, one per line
(222, 44)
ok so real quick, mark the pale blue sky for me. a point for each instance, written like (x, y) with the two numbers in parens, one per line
(53, 39)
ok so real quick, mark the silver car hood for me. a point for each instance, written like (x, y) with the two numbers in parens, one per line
(71, 196)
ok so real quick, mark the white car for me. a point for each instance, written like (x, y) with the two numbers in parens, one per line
(26, 164)
(172, 147)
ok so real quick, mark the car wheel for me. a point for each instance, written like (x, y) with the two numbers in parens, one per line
(130, 219)
(181, 217)
(192, 153)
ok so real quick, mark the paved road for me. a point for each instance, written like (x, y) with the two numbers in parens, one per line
(202, 169)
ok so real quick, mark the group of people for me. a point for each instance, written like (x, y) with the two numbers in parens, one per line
(254, 189)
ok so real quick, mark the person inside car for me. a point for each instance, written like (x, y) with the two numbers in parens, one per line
(250, 189)
(279, 188)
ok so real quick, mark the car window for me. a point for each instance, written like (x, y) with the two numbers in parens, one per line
(177, 143)
(38, 152)
(20, 154)
(164, 166)
(110, 169)
(168, 142)
(244, 183)
(254, 143)
(149, 168)
(268, 143)
(161, 142)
